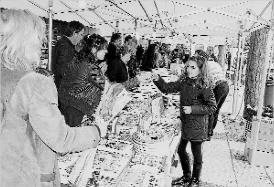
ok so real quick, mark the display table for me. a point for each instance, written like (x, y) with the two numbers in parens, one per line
(140, 151)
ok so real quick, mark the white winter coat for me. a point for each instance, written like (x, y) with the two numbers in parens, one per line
(33, 130)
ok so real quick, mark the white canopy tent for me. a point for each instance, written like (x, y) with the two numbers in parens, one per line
(218, 18)
(177, 21)
(174, 21)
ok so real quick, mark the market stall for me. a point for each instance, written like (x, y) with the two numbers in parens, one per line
(138, 149)
(143, 128)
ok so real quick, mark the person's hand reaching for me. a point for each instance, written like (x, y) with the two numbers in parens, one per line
(103, 128)
(126, 58)
(187, 109)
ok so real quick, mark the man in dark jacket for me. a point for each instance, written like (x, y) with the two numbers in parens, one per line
(63, 54)
(64, 50)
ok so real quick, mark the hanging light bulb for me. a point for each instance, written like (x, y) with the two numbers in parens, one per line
(82, 3)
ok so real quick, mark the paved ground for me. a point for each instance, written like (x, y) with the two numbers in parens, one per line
(224, 163)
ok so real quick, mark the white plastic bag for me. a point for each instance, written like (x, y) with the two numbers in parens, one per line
(114, 99)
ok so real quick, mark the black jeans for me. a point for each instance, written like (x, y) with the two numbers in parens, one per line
(221, 91)
(196, 148)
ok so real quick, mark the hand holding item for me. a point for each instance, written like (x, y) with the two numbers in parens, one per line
(126, 58)
(102, 124)
(187, 109)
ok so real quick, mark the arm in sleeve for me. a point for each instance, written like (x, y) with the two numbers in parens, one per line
(121, 72)
(49, 124)
(62, 56)
(111, 71)
(166, 88)
(131, 83)
(209, 105)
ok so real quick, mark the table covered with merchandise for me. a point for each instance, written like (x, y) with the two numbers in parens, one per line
(139, 146)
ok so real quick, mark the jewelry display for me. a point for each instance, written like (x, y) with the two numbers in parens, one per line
(136, 148)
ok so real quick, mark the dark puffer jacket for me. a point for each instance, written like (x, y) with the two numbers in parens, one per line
(201, 99)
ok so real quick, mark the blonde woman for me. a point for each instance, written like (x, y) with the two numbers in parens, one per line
(32, 128)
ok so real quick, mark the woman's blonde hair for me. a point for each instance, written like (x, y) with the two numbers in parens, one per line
(22, 34)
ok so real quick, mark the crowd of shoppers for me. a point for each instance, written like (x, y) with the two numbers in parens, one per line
(42, 111)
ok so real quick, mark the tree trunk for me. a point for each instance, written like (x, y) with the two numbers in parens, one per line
(255, 70)
(221, 55)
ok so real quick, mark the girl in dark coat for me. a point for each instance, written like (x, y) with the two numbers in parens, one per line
(197, 102)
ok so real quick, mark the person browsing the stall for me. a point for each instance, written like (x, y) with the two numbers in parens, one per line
(197, 102)
(220, 86)
(32, 130)
(116, 63)
(64, 50)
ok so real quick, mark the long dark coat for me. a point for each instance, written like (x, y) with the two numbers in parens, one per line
(116, 68)
(201, 99)
(63, 53)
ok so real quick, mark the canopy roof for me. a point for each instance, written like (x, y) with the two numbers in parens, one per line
(162, 18)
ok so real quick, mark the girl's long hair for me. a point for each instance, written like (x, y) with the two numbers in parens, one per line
(202, 65)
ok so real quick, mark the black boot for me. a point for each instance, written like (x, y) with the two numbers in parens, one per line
(182, 180)
(195, 182)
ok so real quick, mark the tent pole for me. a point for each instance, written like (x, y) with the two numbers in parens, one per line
(241, 61)
(235, 93)
(192, 49)
(271, 28)
(50, 13)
